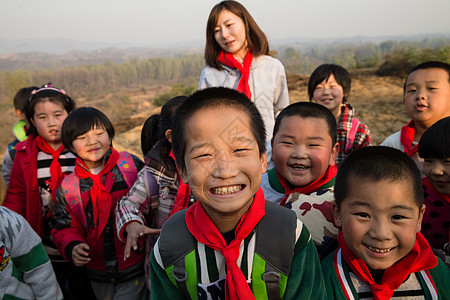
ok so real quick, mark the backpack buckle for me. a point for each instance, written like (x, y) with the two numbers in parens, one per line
(179, 276)
(271, 277)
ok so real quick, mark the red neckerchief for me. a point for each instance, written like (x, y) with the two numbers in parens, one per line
(204, 230)
(100, 197)
(420, 258)
(431, 187)
(307, 189)
(183, 193)
(56, 175)
(228, 60)
(407, 138)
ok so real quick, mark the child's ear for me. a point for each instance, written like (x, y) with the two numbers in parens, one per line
(336, 215)
(168, 135)
(334, 153)
(419, 221)
(264, 162)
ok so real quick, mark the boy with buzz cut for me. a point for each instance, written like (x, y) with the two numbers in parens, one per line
(382, 254)
(426, 95)
(231, 243)
(304, 151)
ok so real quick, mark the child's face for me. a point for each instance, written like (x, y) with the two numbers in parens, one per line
(230, 34)
(437, 170)
(48, 118)
(329, 94)
(379, 221)
(223, 164)
(427, 95)
(92, 146)
(302, 149)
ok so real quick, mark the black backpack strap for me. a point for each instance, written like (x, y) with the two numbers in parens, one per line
(175, 242)
(270, 232)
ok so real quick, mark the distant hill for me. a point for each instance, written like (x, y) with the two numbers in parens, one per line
(33, 54)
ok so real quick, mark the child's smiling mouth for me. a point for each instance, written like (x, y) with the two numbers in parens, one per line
(378, 250)
(299, 167)
(224, 190)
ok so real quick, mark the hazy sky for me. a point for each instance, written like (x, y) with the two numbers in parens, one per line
(159, 22)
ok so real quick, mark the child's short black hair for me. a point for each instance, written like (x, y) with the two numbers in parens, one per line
(323, 72)
(308, 110)
(82, 120)
(168, 113)
(435, 141)
(22, 96)
(376, 163)
(429, 65)
(212, 98)
(149, 133)
(46, 93)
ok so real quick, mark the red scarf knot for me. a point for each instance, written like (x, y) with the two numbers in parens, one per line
(420, 258)
(407, 138)
(56, 175)
(203, 229)
(100, 196)
(229, 60)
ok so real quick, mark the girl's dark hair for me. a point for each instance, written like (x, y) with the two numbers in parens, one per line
(46, 93)
(212, 98)
(374, 164)
(82, 120)
(149, 133)
(308, 110)
(323, 72)
(256, 39)
(168, 113)
(435, 141)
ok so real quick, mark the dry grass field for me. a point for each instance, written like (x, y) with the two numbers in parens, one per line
(377, 102)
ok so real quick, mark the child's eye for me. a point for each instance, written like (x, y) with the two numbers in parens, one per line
(202, 155)
(362, 215)
(431, 88)
(80, 137)
(398, 217)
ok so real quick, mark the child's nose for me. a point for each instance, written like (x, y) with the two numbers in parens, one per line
(380, 230)
(224, 167)
(437, 169)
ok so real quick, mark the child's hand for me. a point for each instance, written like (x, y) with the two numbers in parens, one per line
(80, 254)
(134, 231)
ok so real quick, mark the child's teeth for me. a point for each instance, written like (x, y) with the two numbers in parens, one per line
(227, 189)
(379, 250)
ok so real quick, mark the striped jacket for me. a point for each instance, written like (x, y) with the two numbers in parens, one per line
(25, 269)
(339, 281)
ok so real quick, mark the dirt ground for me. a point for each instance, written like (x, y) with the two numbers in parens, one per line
(377, 102)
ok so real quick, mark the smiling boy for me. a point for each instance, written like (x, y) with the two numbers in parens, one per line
(427, 100)
(382, 254)
(304, 152)
(230, 244)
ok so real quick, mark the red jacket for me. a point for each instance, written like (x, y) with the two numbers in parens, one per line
(69, 231)
(23, 194)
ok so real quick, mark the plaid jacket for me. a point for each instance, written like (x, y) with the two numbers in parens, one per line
(361, 139)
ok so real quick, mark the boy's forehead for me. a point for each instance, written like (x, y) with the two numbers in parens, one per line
(292, 121)
(428, 74)
(355, 183)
